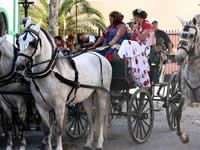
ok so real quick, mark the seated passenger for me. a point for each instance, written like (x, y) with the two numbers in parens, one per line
(86, 40)
(131, 28)
(59, 41)
(69, 44)
(115, 33)
(136, 51)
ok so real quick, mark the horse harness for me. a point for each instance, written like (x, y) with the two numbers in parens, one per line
(12, 77)
(49, 69)
(189, 53)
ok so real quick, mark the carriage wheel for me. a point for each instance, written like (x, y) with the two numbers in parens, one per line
(172, 100)
(140, 115)
(77, 121)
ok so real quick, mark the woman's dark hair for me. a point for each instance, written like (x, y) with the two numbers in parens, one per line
(59, 38)
(140, 13)
(78, 37)
(117, 17)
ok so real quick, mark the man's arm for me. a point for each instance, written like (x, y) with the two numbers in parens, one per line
(91, 41)
(169, 47)
(167, 41)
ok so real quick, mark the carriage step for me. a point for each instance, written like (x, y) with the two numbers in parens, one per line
(120, 114)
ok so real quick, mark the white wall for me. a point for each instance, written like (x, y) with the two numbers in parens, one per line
(8, 5)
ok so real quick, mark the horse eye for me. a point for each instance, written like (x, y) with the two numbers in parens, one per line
(33, 44)
(184, 35)
(191, 36)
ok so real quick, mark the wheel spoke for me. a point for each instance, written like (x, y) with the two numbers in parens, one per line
(141, 135)
(144, 105)
(145, 132)
(135, 126)
(137, 132)
(147, 110)
(81, 124)
(79, 131)
(85, 118)
(71, 125)
(146, 123)
(134, 120)
(75, 128)
(136, 101)
(134, 108)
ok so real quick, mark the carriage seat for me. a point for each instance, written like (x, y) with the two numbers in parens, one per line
(120, 78)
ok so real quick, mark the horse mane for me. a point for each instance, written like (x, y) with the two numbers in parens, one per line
(50, 38)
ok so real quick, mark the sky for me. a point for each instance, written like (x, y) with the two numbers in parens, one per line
(164, 11)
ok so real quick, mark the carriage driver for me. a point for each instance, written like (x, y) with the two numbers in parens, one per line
(158, 52)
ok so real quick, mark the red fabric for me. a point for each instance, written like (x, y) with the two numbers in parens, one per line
(109, 56)
(145, 26)
(70, 36)
(61, 45)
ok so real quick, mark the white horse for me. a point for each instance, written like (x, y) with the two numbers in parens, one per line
(36, 49)
(12, 103)
(188, 56)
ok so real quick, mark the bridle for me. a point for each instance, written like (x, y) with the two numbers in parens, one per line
(183, 43)
(190, 52)
(34, 43)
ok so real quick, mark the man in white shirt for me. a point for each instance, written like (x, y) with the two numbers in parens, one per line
(86, 40)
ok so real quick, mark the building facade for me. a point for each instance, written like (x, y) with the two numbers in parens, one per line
(9, 19)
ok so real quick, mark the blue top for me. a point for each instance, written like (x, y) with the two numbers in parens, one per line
(110, 32)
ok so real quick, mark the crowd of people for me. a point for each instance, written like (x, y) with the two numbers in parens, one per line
(137, 39)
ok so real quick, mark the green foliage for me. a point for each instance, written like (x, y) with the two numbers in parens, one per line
(89, 19)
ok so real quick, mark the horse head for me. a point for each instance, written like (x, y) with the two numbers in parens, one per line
(29, 44)
(188, 40)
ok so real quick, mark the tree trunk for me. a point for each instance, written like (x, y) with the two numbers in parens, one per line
(53, 17)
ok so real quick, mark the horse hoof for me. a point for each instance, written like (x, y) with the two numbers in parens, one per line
(184, 138)
(22, 147)
(87, 148)
(44, 147)
(9, 147)
(99, 148)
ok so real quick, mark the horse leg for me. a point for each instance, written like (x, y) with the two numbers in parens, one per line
(9, 126)
(183, 136)
(22, 115)
(46, 143)
(102, 116)
(87, 104)
(9, 131)
(59, 114)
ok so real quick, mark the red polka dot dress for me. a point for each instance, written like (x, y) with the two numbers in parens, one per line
(135, 52)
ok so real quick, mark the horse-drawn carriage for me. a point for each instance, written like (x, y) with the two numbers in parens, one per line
(139, 103)
(140, 106)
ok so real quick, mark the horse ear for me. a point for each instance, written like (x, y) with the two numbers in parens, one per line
(28, 22)
(181, 20)
(194, 21)
(37, 26)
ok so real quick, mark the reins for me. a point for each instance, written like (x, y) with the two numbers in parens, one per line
(49, 69)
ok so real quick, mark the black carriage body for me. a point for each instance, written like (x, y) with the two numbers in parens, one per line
(120, 79)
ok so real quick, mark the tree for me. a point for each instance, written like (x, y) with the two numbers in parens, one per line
(53, 17)
(89, 18)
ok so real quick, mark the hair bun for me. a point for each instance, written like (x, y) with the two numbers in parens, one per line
(141, 13)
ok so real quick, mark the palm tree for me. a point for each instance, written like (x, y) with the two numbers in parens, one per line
(89, 18)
